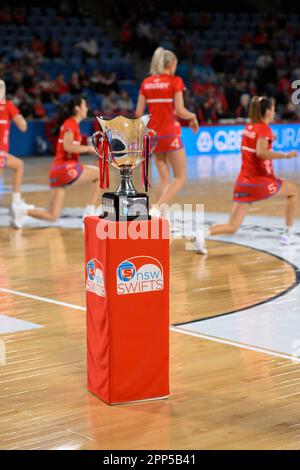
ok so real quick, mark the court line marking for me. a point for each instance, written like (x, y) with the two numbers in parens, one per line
(42, 299)
(294, 284)
(238, 345)
(175, 329)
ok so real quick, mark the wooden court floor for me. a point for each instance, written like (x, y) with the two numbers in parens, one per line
(222, 397)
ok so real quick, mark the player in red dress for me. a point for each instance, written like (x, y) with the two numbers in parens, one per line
(256, 180)
(10, 113)
(66, 169)
(162, 92)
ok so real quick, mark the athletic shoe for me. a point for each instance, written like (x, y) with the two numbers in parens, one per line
(24, 204)
(288, 240)
(19, 213)
(199, 243)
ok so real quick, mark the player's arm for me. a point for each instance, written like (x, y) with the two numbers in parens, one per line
(183, 113)
(20, 122)
(70, 147)
(264, 153)
(140, 107)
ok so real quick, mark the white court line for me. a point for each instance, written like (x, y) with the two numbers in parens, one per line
(172, 328)
(42, 299)
(238, 345)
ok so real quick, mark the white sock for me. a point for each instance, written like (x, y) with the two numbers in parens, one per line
(16, 198)
(90, 209)
(289, 230)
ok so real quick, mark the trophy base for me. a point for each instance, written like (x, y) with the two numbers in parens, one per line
(125, 207)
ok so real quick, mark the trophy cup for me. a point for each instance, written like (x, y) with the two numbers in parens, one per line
(126, 144)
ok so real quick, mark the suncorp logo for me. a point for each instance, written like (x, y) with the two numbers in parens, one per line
(95, 278)
(224, 140)
(138, 275)
(204, 142)
(228, 140)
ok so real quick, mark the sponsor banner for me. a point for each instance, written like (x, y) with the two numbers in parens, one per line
(210, 139)
(95, 278)
(138, 275)
(227, 139)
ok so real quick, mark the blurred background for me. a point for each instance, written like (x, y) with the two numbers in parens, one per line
(227, 54)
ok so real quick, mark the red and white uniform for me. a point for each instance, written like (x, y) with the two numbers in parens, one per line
(66, 167)
(7, 112)
(256, 180)
(159, 91)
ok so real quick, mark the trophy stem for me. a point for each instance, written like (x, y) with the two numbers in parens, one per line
(126, 186)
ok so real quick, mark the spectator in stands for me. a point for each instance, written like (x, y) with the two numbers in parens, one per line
(206, 112)
(89, 46)
(19, 15)
(23, 101)
(61, 87)
(39, 111)
(110, 103)
(75, 87)
(127, 37)
(176, 20)
(47, 87)
(204, 20)
(83, 78)
(21, 52)
(125, 103)
(243, 109)
(5, 16)
(29, 77)
(232, 95)
(104, 82)
(37, 45)
(53, 48)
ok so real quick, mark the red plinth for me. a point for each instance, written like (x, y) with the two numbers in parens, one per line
(127, 298)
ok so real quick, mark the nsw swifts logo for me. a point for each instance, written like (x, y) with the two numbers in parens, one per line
(138, 275)
(95, 278)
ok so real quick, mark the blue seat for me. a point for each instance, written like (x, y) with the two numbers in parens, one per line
(127, 70)
(50, 109)
(65, 97)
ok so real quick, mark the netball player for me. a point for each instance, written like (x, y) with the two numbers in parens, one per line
(66, 169)
(256, 180)
(162, 93)
(10, 113)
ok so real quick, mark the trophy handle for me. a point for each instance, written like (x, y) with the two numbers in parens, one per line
(101, 146)
(153, 138)
(98, 140)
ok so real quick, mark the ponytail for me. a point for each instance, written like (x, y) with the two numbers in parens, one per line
(161, 59)
(258, 108)
(67, 109)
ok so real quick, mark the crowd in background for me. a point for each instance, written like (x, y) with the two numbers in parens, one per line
(221, 76)
(221, 80)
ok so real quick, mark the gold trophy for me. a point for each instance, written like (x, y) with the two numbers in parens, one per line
(126, 144)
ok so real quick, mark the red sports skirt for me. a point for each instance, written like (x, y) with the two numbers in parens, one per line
(64, 174)
(255, 189)
(168, 143)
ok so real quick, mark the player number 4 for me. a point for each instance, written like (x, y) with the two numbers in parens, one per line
(175, 143)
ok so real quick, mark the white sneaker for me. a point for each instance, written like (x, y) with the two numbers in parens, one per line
(199, 243)
(287, 240)
(24, 204)
(18, 212)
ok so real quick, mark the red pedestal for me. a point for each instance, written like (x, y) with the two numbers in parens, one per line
(127, 298)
